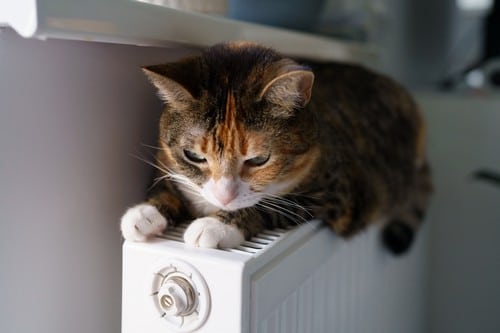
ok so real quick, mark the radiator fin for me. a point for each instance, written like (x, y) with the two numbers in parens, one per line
(353, 291)
(251, 247)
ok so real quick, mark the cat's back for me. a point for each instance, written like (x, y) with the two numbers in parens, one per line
(361, 88)
(362, 102)
(369, 120)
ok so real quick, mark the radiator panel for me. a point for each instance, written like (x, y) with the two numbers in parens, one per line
(358, 288)
(302, 280)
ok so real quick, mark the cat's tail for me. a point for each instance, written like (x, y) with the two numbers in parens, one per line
(398, 234)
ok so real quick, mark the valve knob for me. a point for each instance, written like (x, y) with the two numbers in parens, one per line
(181, 296)
(177, 297)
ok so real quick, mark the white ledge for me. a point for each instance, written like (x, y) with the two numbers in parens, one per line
(136, 23)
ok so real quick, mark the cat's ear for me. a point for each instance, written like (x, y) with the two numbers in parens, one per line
(169, 90)
(289, 89)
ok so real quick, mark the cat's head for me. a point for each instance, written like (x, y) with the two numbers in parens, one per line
(235, 129)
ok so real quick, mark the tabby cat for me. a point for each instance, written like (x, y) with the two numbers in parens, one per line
(247, 142)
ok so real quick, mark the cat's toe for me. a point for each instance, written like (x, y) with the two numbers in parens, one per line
(210, 232)
(141, 222)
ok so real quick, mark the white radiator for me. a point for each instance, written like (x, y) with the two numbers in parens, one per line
(304, 280)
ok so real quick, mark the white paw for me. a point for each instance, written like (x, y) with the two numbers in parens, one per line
(212, 233)
(141, 222)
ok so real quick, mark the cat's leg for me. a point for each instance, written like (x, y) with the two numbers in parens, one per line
(142, 222)
(226, 229)
(150, 218)
(212, 232)
(337, 212)
(347, 204)
(399, 232)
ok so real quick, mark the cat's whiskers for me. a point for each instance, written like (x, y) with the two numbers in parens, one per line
(158, 180)
(297, 219)
(188, 185)
(165, 171)
(304, 195)
(265, 208)
(287, 202)
(153, 147)
(168, 174)
(154, 165)
(274, 205)
(300, 195)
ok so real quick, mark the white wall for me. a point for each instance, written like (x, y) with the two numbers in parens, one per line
(464, 135)
(71, 116)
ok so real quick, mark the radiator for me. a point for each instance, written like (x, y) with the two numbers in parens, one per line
(304, 279)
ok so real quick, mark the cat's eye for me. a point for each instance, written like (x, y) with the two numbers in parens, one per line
(257, 160)
(194, 157)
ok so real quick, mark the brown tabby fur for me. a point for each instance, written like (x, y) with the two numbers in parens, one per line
(352, 154)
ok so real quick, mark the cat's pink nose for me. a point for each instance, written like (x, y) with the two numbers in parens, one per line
(225, 196)
(225, 191)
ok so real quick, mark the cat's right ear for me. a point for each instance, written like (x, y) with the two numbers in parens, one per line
(290, 89)
(169, 90)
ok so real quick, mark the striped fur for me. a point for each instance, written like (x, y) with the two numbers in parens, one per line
(246, 126)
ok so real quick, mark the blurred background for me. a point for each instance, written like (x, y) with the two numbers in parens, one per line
(74, 113)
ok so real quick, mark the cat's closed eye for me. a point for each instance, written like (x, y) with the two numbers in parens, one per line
(257, 160)
(194, 157)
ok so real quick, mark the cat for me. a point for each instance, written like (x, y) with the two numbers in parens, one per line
(251, 139)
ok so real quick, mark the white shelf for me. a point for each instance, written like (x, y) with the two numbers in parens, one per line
(132, 22)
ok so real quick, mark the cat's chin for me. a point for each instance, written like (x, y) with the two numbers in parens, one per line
(207, 208)
(231, 207)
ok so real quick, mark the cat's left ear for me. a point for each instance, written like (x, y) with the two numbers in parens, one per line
(171, 90)
(290, 90)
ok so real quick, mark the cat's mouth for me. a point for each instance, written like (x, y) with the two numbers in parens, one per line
(224, 193)
(209, 206)
(232, 195)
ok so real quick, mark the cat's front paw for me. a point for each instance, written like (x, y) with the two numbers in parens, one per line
(212, 233)
(142, 222)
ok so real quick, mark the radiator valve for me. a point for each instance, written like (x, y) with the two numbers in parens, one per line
(181, 295)
(177, 296)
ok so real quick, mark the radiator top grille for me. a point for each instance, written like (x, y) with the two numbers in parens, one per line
(250, 247)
